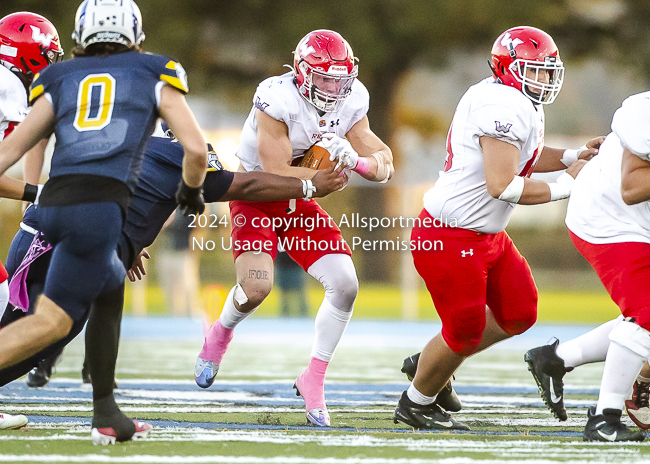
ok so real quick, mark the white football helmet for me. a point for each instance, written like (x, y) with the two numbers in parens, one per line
(115, 21)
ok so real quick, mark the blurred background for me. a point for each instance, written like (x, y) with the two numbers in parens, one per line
(416, 58)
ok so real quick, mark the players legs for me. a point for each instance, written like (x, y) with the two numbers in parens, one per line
(8, 421)
(109, 424)
(461, 284)
(254, 283)
(31, 334)
(85, 237)
(338, 276)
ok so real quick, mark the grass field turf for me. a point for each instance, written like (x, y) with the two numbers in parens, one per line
(251, 414)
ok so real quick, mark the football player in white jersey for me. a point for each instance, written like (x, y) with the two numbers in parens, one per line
(609, 223)
(28, 43)
(480, 284)
(319, 100)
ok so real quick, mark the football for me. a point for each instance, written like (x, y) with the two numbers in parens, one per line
(316, 157)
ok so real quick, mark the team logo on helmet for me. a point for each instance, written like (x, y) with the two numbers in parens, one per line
(38, 36)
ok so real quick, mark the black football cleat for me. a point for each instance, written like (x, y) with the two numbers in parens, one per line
(447, 399)
(607, 427)
(40, 375)
(425, 417)
(548, 370)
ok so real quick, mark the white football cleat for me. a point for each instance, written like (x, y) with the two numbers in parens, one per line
(318, 417)
(108, 436)
(12, 422)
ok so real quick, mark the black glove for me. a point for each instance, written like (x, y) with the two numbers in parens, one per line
(190, 199)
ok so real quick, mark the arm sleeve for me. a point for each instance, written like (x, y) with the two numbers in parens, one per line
(504, 123)
(631, 124)
(216, 185)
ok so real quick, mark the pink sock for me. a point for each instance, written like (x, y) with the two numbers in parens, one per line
(216, 343)
(311, 384)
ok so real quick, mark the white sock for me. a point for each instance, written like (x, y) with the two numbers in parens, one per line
(621, 370)
(230, 315)
(330, 325)
(418, 398)
(588, 348)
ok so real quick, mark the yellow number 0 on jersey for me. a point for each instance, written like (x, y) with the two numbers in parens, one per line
(106, 85)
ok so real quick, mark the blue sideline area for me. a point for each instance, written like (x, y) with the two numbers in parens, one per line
(409, 333)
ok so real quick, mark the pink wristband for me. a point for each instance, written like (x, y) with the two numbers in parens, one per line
(363, 165)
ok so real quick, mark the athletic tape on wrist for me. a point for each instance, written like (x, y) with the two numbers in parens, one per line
(571, 155)
(561, 188)
(383, 171)
(308, 188)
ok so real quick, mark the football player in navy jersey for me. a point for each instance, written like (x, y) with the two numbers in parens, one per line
(102, 106)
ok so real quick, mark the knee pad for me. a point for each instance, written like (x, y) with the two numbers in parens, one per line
(633, 337)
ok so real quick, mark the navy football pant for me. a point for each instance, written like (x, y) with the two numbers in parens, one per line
(84, 260)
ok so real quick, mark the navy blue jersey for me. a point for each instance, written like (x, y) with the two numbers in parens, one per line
(105, 109)
(154, 199)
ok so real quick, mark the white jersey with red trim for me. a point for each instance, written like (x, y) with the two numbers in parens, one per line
(596, 211)
(279, 98)
(494, 110)
(13, 101)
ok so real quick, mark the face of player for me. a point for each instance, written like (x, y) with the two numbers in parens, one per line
(543, 76)
(328, 85)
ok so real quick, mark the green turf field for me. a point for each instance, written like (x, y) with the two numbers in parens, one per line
(251, 416)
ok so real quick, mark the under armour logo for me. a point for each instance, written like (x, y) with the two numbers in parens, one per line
(470, 252)
(503, 128)
(39, 37)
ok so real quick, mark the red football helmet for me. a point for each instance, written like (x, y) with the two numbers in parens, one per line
(325, 69)
(527, 59)
(28, 43)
